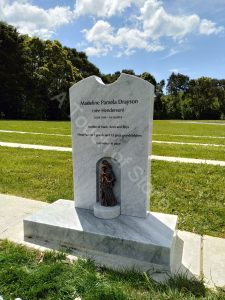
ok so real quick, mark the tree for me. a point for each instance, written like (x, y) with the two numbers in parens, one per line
(177, 87)
(50, 75)
(177, 83)
(12, 71)
(149, 77)
(159, 108)
(81, 62)
(206, 98)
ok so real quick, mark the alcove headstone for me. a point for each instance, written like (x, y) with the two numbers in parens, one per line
(113, 121)
(110, 223)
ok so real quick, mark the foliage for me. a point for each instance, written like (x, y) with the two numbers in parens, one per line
(12, 70)
(202, 98)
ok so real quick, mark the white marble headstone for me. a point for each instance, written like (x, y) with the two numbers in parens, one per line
(112, 121)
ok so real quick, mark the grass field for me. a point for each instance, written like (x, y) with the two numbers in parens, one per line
(162, 131)
(195, 192)
(30, 275)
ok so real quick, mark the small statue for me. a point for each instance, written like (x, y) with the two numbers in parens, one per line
(107, 181)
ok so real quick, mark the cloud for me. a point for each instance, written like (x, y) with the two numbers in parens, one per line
(158, 23)
(101, 8)
(152, 24)
(33, 20)
(104, 37)
(98, 51)
(208, 27)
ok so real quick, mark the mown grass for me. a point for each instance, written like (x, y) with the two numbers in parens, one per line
(189, 151)
(36, 126)
(49, 140)
(32, 275)
(190, 139)
(167, 128)
(159, 127)
(178, 127)
(194, 192)
(43, 175)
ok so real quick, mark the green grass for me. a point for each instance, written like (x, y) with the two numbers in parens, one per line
(43, 175)
(171, 127)
(194, 192)
(167, 128)
(49, 140)
(32, 275)
(36, 126)
(159, 127)
(189, 139)
(200, 152)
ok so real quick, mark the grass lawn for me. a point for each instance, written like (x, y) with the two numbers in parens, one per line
(194, 192)
(189, 151)
(32, 275)
(36, 126)
(167, 128)
(179, 127)
(49, 140)
(160, 127)
(43, 175)
(189, 139)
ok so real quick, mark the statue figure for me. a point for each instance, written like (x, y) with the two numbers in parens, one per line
(107, 181)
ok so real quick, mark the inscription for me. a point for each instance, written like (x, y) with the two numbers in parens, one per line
(109, 134)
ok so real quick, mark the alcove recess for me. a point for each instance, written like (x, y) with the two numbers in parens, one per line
(108, 212)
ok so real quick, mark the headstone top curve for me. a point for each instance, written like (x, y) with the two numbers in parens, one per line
(98, 80)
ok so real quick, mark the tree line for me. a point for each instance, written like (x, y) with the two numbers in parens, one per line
(36, 74)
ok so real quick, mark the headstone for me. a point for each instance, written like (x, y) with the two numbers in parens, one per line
(111, 133)
(112, 123)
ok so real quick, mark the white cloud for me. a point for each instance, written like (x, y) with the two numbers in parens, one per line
(158, 23)
(33, 20)
(104, 37)
(208, 27)
(149, 24)
(101, 8)
(154, 23)
(98, 51)
(101, 31)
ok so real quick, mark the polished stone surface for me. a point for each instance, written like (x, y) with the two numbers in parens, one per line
(113, 121)
(109, 212)
(148, 240)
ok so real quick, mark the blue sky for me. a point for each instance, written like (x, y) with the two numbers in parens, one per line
(144, 35)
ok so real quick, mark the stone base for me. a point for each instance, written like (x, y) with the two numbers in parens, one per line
(109, 212)
(146, 240)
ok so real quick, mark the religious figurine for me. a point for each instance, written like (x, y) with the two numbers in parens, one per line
(107, 181)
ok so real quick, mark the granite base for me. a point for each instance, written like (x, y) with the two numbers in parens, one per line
(147, 240)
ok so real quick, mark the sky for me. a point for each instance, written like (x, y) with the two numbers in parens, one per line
(156, 36)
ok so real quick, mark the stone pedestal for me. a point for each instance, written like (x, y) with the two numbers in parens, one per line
(106, 212)
(146, 240)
